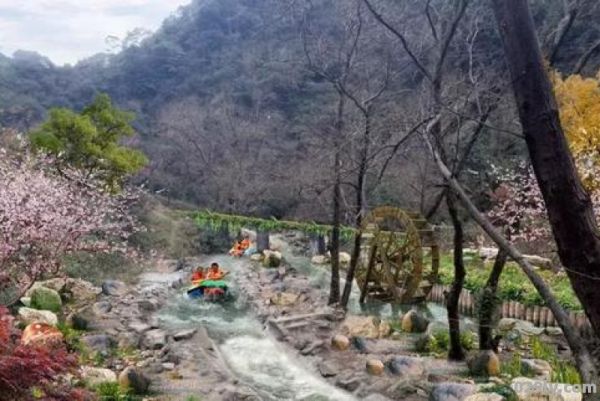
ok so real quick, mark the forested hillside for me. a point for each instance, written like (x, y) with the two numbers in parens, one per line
(236, 99)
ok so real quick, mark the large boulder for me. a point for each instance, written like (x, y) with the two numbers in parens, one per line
(522, 327)
(361, 344)
(484, 364)
(133, 381)
(553, 331)
(537, 367)
(449, 391)
(375, 367)
(74, 290)
(81, 290)
(406, 367)
(114, 288)
(284, 299)
(363, 326)
(95, 376)
(184, 334)
(102, 307)
(155, 339)
(319, 260)
(345, 258)
(414, 322)
(28, 315)
(41, 334)
(528, 329)
(128, 340)
(327, 369)
(85, 318)
(340, 342)
(139, 327)
(99, 343)
(77, 321)
(272, 258)
(46, 299)
(506, 324)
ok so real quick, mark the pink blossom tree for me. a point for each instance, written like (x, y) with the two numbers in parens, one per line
(518, 204)
(45, 215)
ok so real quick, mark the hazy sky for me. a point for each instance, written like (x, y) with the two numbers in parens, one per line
(68, 30)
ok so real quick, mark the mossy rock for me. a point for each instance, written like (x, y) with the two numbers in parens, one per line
(484, 364)
(272, 259)
(46, 299)
(414, 322)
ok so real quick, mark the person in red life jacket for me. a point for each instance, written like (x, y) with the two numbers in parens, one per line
(198, 275)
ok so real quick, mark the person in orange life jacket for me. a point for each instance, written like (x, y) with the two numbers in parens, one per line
(215, 272)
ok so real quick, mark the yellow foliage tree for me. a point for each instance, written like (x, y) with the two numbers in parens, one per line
(579, 104)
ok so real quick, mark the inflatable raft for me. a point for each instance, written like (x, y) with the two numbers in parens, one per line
(209, 290)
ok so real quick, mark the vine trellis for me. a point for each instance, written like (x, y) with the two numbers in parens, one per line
(232, 222)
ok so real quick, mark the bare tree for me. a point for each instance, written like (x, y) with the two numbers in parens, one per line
(443, 34)
(332, 60)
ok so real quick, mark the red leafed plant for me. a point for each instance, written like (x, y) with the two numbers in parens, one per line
(27, 369)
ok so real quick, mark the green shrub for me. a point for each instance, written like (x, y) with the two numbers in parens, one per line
(514, 367)
(502, 389)
(72, 337)
(467, 340)
(439, 342)
(112, 392)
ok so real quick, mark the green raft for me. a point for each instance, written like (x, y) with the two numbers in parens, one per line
(210, 290)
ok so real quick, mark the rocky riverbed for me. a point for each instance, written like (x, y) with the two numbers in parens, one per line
(278, 340)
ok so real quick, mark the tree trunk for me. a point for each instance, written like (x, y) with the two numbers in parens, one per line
(360, 209)
(319, 247)
(455, 353)
(334, 291)
(262, 241)
(488, 304)
(568, 205)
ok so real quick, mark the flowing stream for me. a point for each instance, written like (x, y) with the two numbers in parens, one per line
(251, 352)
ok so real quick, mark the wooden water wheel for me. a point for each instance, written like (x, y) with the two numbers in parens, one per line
(392, 267)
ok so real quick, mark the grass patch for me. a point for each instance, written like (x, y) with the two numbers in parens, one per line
(514, 285)
(112, 392)
(562, 371)
(514, 367)
(439, 343)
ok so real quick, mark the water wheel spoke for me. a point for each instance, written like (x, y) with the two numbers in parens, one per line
(395, 269)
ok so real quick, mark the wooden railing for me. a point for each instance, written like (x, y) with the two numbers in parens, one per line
(540, 316)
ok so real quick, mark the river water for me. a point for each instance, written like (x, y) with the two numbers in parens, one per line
(251, 352)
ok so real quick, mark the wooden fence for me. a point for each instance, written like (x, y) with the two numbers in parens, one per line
(540, 316)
